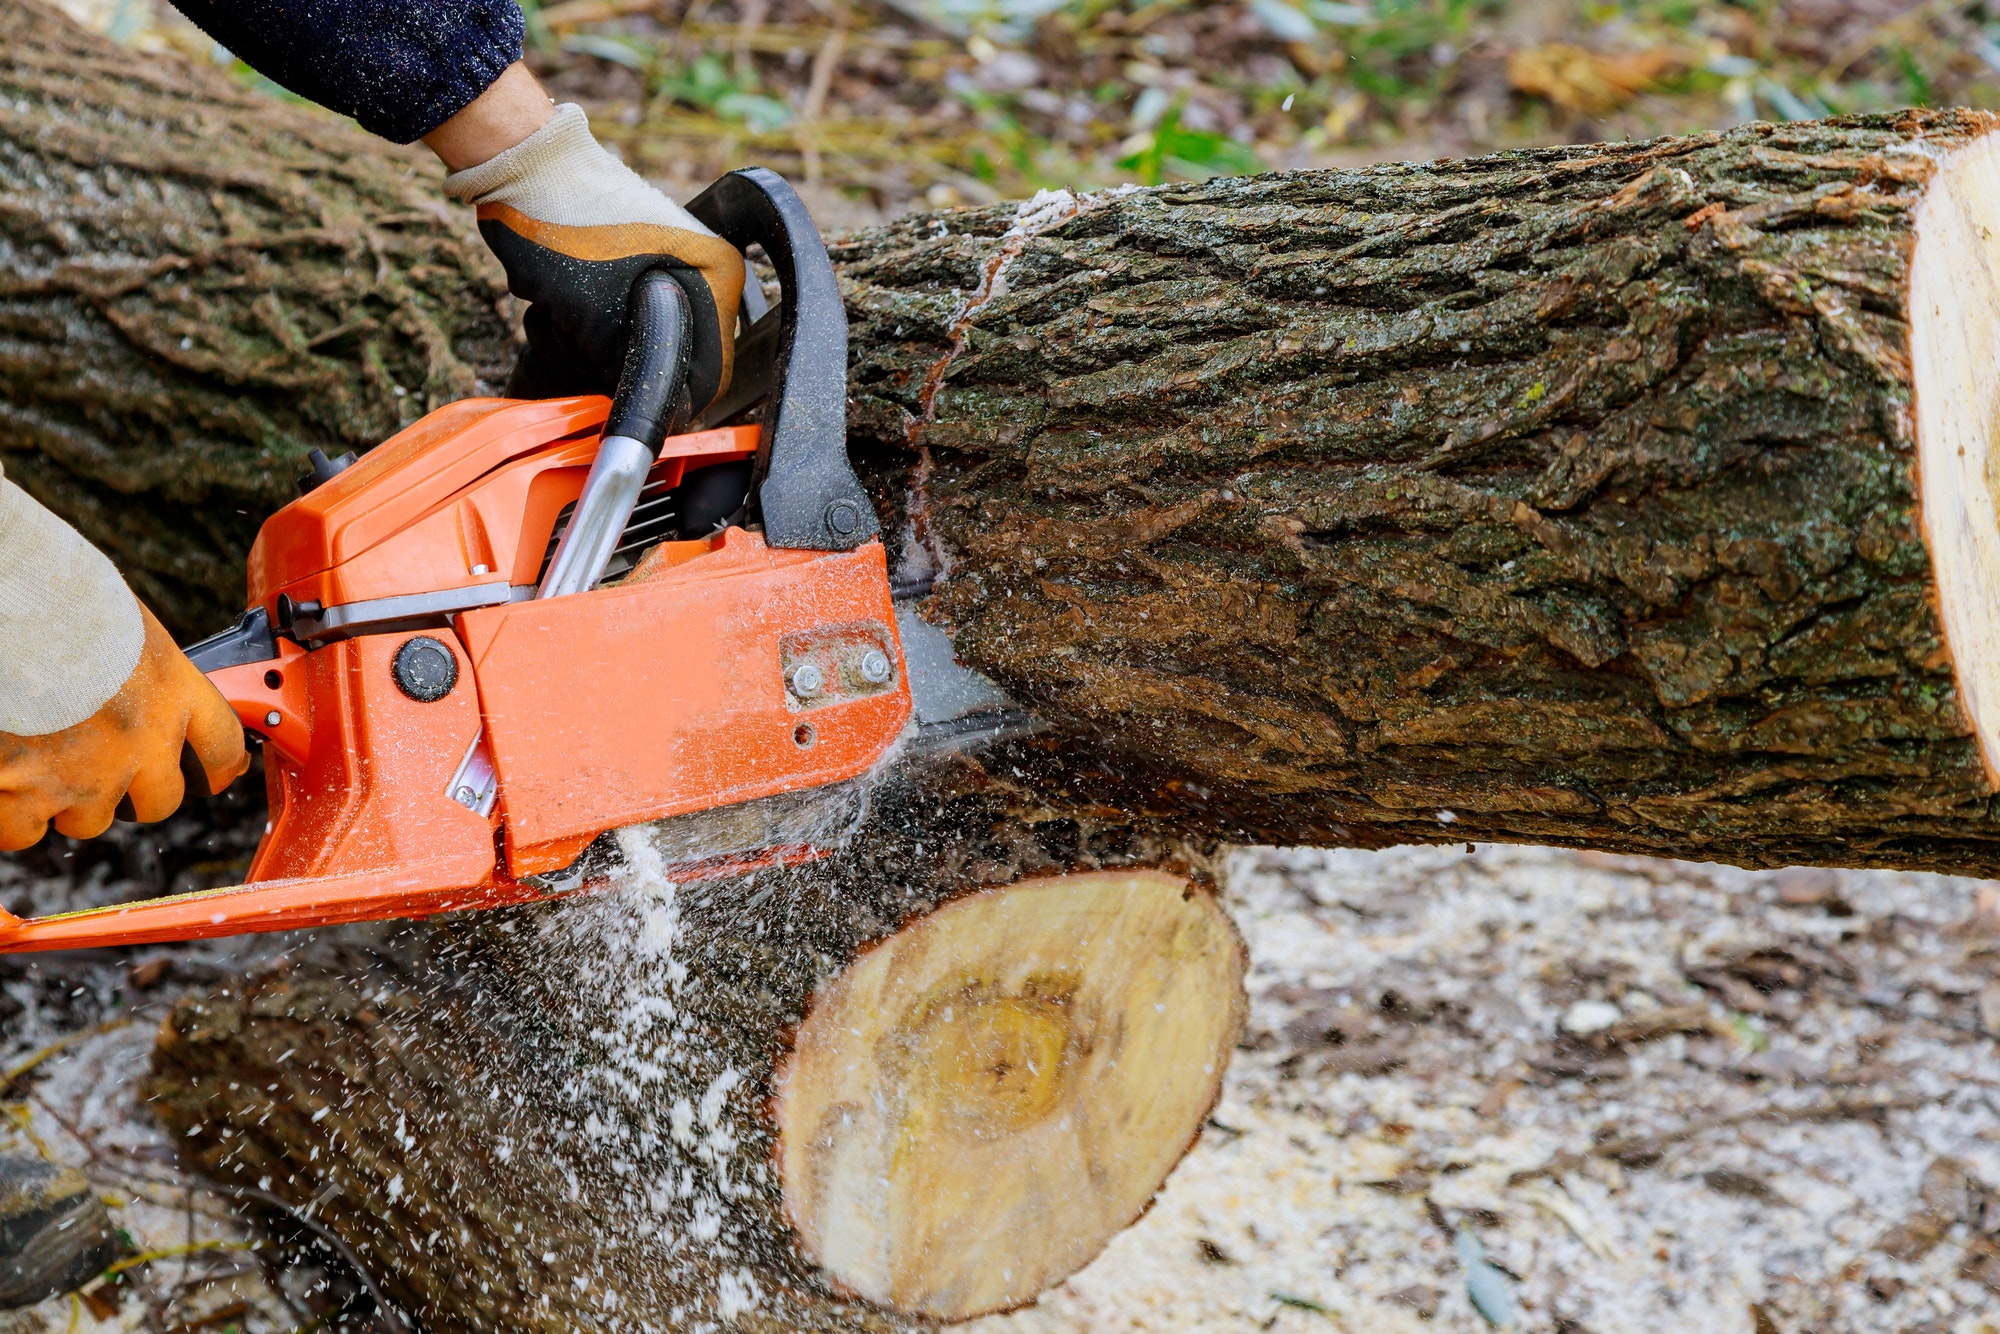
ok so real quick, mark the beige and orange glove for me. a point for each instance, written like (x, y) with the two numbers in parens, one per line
(574, 227)
(100, 712)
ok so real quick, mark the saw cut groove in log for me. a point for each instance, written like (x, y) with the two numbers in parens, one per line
(976, 1105)
(925, 1079)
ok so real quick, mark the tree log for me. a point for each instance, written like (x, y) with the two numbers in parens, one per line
(1570, 495)
(923, 1080)
(199, 284)
(1576, 496)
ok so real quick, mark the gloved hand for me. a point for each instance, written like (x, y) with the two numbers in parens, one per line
(96, 702)
(573, 227)
(127, 758)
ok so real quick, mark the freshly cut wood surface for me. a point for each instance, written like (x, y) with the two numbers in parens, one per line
(1954, 304)
(977, 1104)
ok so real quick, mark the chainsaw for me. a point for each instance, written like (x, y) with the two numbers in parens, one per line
(516, 628)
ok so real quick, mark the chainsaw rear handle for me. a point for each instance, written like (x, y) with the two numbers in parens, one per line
(805, 487)
(650, 405)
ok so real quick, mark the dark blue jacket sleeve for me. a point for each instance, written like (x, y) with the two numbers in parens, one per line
(400, 67)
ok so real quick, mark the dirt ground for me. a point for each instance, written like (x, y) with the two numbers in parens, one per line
(1658, 1095)
(78, 1038)
(1594, 1093)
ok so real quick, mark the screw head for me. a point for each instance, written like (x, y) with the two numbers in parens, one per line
(807, 680)
(875, 666)
(843, 517)
(273, 718)
(425, 670)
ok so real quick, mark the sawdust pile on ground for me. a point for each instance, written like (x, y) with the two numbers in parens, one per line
(78, 1032)
(1661, 1096)
(1762, 1117)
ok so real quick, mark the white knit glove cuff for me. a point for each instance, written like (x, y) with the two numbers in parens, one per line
(560, 174)
(70, 630)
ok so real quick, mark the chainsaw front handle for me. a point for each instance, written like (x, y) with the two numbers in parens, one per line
(652, 399)
(804, 484)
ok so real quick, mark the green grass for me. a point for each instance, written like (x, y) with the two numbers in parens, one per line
(1168, 90)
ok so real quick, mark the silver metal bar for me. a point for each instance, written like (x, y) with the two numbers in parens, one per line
(410, 611)
(475, 786)
(599, 520)
(942, 689)
(754, 304)
(956, 709)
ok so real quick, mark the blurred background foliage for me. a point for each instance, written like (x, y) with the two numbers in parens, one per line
(888, 105)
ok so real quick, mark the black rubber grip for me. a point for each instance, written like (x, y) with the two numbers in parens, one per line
(652, 399)
(807, 493)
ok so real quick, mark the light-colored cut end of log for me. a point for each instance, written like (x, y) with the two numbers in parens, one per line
(979, 1103)
(1955, 364)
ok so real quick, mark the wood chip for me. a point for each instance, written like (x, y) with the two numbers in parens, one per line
(1742, 1185)
(1495, 1102)
(1989, 1008)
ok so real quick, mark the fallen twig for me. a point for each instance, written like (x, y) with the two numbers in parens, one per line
(1645, 1149)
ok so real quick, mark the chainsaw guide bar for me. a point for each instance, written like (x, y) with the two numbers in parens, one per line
(516, 628)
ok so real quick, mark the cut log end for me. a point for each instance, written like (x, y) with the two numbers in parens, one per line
(973, 1108)
(1954, 311)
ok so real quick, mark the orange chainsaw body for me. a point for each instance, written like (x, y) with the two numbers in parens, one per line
(666, 693)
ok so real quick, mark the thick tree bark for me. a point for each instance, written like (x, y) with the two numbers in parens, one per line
(198, 284)
(1568, 495)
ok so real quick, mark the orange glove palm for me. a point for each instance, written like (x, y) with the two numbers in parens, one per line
(132, 748)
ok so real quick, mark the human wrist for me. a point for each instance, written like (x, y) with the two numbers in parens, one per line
(513, 107)
(560, 174)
